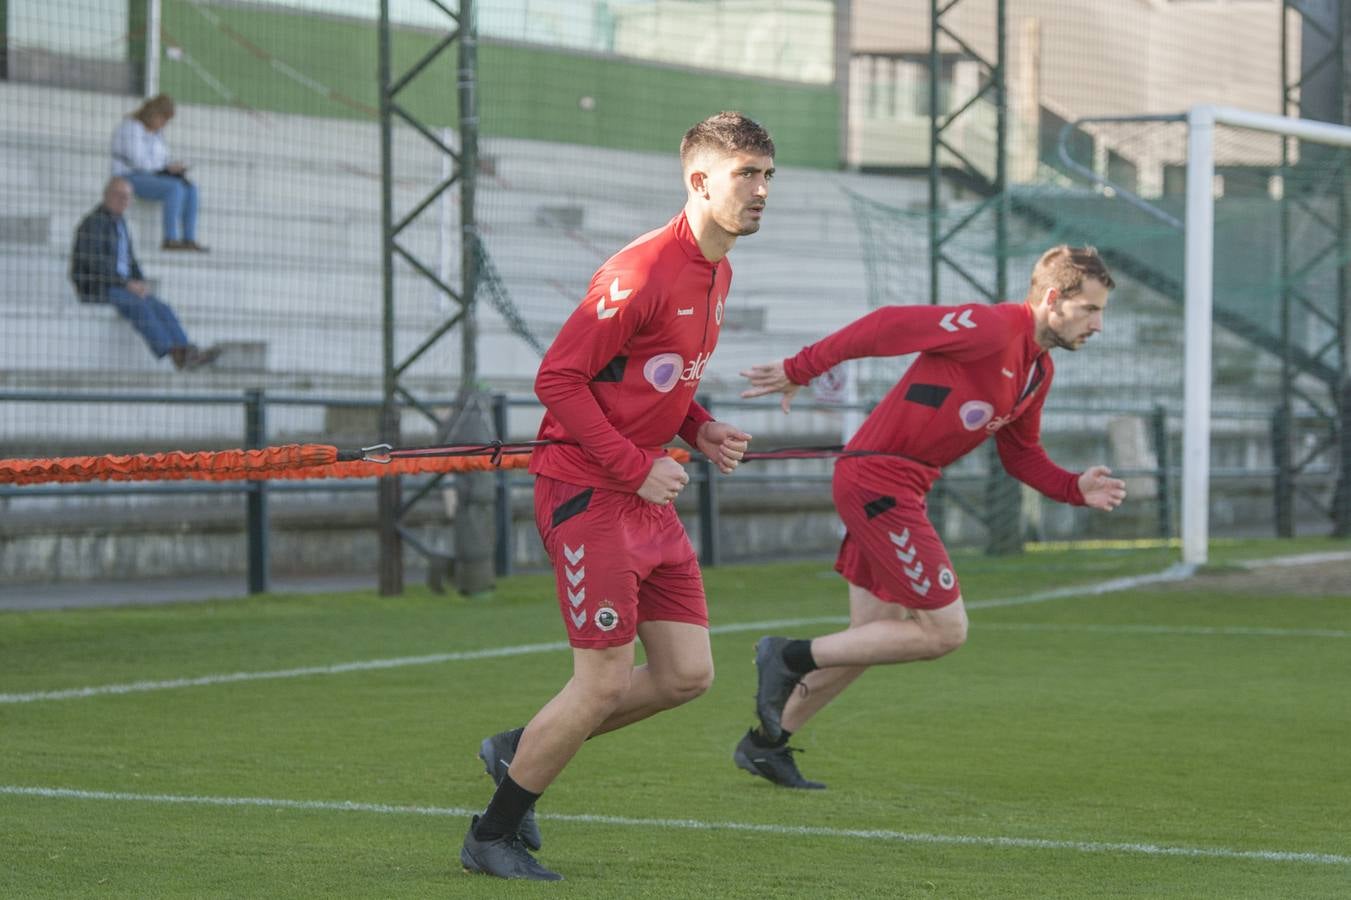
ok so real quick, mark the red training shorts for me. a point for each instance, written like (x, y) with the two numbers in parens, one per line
(891, 549)
(618, 561)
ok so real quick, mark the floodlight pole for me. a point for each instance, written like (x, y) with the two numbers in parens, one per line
(1317, 87)
(1002, 492)
(398, 392)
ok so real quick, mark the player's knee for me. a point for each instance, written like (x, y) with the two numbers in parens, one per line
(605, 699)
(943, 634)
(949, 642)
(602, 691)
(687, 684)
(949, 637)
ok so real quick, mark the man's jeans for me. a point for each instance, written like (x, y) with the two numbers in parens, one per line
(151, 317)
(179, 198)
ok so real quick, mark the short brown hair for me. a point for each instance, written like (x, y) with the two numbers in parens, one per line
(1065, 268)
(158, 105)
(725, 133)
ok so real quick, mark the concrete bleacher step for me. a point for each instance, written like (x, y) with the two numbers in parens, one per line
(290, 208)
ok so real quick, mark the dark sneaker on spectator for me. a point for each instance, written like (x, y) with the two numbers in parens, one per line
(505, 857)
(774, 764)
(497, 753)
(774, 685)
(197, 358)
(174, 245)
(195, 247)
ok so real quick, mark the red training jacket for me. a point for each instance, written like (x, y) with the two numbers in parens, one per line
(980, 372)
(618, 382)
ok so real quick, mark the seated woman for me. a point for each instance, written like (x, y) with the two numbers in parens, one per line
(141, 156)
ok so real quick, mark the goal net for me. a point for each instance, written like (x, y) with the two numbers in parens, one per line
(1219, 385)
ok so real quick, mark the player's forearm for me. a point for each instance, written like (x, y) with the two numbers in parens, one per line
(1034, 468)
(853, 341)
(576, 409)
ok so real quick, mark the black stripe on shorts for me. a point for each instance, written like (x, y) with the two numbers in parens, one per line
(569, 508)
(875, 508)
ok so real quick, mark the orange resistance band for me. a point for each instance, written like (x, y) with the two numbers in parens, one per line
(292, 461)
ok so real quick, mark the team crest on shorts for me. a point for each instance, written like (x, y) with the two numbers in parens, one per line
(606, 618)
(945, 578)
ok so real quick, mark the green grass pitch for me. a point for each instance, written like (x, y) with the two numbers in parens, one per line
(1160, 742)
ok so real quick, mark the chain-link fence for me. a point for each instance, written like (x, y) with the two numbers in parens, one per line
(275, 116)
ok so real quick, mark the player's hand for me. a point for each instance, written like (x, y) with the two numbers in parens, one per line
(664, 481)
(770, 379)
(139, 288)
(723, 444)
(1101, 490)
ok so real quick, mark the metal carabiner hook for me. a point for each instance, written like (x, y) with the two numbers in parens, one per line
(377, 453)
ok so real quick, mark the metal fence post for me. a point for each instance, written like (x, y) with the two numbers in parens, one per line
(256, 520)
(1341, 492)
(1282, 462)
(503, 550)
(1163, 481)
(709, 551)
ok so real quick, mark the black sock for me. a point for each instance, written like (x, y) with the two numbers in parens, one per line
(759, 740)
(797, 655)
(505, 812)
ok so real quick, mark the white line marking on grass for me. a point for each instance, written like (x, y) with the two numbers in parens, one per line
(1178, 572)
(1173, 573)
(1303, 559)
(1205, 630)
(229, 677)
(137, 687)
(698, 825)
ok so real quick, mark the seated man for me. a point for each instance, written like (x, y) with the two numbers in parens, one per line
(104, 270)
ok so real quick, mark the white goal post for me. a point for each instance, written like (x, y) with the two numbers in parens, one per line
(1198, 289)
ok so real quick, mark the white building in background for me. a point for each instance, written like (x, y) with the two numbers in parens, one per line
(1069, 58)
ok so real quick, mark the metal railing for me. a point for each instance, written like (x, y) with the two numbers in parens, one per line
(256, 403)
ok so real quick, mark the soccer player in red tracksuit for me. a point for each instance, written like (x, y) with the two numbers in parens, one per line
(618, 384)
(982, 370)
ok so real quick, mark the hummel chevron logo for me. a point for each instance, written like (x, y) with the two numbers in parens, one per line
(921, 589)
(1006, 373)
(615, 298)
(913, 574)
(574, 556)
(904, 553)
(946, 323)
(578, 598)
(574, 578)
(685, 312)
(578, 618)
